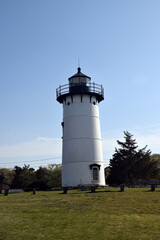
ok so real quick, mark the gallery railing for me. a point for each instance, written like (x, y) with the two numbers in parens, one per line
(80, 88)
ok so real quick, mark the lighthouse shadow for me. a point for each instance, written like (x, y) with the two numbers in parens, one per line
(69, 193)
(101, 191)
(77, 191)
(97, 192)
(86, 192)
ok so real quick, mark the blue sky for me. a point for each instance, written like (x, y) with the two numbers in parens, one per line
(118, 44)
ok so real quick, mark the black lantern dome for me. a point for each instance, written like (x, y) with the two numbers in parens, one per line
(81, 84)
(79, 76)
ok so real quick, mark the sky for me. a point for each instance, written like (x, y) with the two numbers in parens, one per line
(118, 44)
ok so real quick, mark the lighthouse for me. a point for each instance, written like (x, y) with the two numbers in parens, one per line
(82, 159)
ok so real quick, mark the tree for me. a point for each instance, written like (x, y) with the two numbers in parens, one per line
(43, 178)
(48, 178)
(56, 174)
(23, 177)
(130, 164)
(156, 159)
(107, 171)
(6, 177)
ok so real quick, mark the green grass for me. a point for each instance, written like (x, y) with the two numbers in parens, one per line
(106, 214)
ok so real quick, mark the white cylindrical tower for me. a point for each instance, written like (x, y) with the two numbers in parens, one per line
(82, 159)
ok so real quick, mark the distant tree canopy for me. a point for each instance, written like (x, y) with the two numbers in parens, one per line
(130, 164)
(48, 178)
(156, 157)
(27, 178)
(6, 178)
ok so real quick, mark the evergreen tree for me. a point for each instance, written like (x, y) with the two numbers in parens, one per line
(130, 164)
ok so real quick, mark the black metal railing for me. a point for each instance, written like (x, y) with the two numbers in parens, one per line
(80, 88)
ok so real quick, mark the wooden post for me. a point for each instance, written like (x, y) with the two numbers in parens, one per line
(6, 192)
(34, 191)
(65, 190)
(153, 186)
(93, 189)
(122, 188)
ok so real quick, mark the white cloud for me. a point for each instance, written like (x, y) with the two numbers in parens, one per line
(43, 146)
(39, 147)
(44, 139)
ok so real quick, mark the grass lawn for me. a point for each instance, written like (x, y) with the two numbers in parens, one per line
(107, 214)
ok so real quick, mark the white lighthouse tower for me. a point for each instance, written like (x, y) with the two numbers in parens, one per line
(82, 160)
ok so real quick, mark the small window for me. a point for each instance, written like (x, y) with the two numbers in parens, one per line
(68, 103)
(94, 103)
(95, 173)
(62, 123)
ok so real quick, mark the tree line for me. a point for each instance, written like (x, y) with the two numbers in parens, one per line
(28, 178)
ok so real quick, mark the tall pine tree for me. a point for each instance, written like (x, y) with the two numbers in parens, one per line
(130, 164)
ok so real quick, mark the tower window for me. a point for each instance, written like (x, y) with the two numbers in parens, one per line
(94, 103)
(62, 124)
(68, 103)
(95, 173)
(95, 168)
